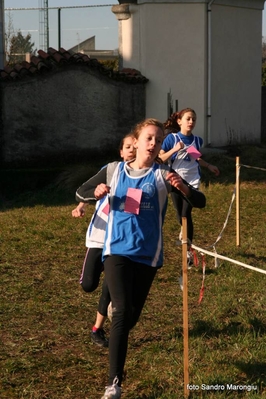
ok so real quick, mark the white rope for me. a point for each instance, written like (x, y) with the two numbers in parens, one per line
(217, 256)
(227, 217)
(253, 167)
(226, 220)
(232, 201)
(228, 259)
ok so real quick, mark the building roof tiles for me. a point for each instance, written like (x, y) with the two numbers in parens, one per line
(53, 59)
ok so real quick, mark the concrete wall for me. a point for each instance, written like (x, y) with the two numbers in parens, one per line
(210, 60)
(66, 115)
(236, 74)
(167, 42)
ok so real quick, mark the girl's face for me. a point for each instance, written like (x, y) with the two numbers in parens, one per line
(149, 143)
(127, 152)
(187, 122)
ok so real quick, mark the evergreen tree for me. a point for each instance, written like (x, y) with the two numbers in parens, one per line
(19, 46)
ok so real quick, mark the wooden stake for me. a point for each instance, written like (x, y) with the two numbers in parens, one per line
(185, 305)
(237, 202)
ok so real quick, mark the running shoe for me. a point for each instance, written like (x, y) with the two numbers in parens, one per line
(112, 391)
(190, 260)
(99, 338)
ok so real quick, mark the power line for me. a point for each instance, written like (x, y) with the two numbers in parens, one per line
(57, 8)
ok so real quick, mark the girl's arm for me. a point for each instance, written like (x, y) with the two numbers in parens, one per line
(98, 185)
(86, 192)
(209, 166)
(195, 197)
(165, 155)
(178, 183)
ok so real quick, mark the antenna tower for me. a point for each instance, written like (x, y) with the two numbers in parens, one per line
(43, 25)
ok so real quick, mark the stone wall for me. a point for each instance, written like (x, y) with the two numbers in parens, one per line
(66, 115)
(263, 114)
(70, 114)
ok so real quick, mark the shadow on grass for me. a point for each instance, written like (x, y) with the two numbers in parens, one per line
(28, 188)
(53, 186)
(48, 196)
(255, 373)
(47, 186)
(207, 329)
(251, 256)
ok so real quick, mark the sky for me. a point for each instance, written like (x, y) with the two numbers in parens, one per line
(77, 24)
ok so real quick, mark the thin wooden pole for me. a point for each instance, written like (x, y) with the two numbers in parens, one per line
(185, 305)
(237, 202)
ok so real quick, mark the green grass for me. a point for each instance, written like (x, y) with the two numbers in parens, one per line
(45, 316)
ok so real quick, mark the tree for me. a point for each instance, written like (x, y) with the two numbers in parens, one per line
(263, 75)
(19, 46)
(9, 32)
(112, 64)
(263, 51)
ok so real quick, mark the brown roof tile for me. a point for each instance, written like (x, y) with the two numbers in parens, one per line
(44, 55)
(30, 68)
(52, 59)
(4, 75)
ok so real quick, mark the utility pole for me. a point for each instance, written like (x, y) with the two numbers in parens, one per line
(44, 25)
(2, 35)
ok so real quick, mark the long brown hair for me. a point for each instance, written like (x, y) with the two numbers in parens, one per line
(171, 122)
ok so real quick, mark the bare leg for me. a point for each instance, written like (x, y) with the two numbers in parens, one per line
(100, 319)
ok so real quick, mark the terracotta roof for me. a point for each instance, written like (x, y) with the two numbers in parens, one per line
(53, 59)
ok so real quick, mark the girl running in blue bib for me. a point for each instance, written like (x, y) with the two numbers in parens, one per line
(133, 247)
(181, 149)
(93, 265)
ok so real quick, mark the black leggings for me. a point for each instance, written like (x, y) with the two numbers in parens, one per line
(90, 277)
(129, 284)
(183, 209)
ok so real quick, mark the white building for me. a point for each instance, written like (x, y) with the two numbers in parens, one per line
(207, 54)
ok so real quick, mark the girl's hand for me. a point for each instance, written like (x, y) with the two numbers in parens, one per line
(179, 146)
(176, 181)
(101, 191)
(213, 169)
(79, 211)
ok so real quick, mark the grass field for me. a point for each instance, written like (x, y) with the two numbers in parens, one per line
(46, 352)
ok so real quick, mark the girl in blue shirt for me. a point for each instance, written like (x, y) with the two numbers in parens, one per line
(133, 248)
(176, 149)
(93, 265)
